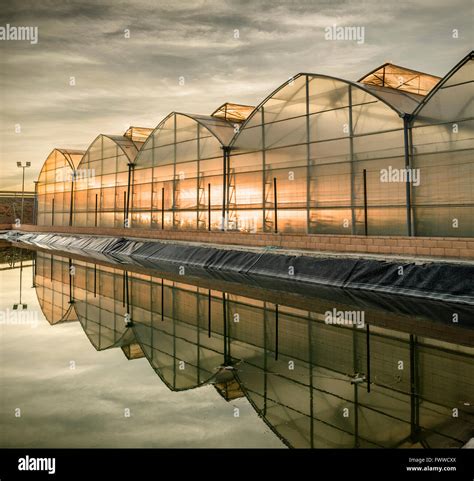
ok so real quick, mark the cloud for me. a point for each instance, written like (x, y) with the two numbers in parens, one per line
(225, 50)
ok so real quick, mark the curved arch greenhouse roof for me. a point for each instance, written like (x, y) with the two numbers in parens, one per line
(126, 145)
(400, 102)
(404, 102)
(221, 129)
(450, 80)
(405, 91)
(71, 158)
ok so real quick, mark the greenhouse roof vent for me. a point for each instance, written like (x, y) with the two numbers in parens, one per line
(137, 134)
(400, 78)
(233, 112)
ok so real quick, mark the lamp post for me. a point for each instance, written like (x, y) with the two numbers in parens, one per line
(20, 164)
(35, 204)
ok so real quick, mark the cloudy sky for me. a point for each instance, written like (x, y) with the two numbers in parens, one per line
(127, 59)
(84, 407)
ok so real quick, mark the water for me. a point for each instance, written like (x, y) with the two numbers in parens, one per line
(103, 357)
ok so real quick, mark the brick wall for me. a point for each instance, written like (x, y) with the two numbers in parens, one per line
(446, 247)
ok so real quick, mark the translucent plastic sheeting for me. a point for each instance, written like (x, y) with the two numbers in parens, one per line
(55, 183)
(443, 151)
(102, 196)
(328, 145)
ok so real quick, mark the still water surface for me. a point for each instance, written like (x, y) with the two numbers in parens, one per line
(107, 357)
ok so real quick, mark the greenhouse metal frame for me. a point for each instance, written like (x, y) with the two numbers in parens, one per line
(390, 154)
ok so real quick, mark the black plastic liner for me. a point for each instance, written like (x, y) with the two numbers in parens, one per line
(431, 280)
(302, 292)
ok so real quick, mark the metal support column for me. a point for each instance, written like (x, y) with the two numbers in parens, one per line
(406, 122)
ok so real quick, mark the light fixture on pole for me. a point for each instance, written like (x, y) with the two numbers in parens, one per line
(20, 164)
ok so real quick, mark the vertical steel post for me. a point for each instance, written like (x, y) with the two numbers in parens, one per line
(412, 191)
(124, 207)
(123, 289)
(277, 327)
(366, 221)
(96, 208)
(173, 199)
(351, 149)
(162, 300)
(224, 186)
(264, 171)
(209, 313)
(311, 383)
(224, 309)
(33, 268)
(265, 362)
(414, 420)
(22, 193)
(129, 186)
(356, 416)
(198, 177)
(308, 161)
(95, 279)
(127, 292)
(162, 208)
(71, 283)
(71, 203)
(275, 207)
(406, 121)
(209, 207)
(367, 341)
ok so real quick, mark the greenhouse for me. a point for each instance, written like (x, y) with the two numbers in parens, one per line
(443, 149)
(178, 178)
(104, 179)
(54, 186)
(389, 154)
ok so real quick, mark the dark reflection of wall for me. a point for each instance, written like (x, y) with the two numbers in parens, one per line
(11, 257)
(187, 332)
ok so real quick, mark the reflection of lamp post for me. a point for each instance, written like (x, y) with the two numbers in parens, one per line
(20, 164)
(33, 268)
(20, 305)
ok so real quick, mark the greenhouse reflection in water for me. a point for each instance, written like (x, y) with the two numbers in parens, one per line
(313, 384)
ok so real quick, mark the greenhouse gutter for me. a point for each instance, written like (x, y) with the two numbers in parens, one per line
(423, 278)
